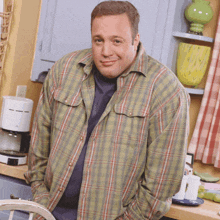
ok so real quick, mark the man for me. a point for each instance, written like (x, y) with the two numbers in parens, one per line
(110, 131)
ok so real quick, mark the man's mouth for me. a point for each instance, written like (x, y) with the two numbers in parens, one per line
(107, 62)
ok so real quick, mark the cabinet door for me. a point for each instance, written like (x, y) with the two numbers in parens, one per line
(65, 27)
(18, 188)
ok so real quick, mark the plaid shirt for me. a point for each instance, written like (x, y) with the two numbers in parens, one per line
(135, 156)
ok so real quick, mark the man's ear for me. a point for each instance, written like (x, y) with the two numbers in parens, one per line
(136, 41)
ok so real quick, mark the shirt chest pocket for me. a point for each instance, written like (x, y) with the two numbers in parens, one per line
(68, 108)
(129, 135)
(133, 120)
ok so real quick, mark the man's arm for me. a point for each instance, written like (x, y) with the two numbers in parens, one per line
(167, 143)
(40, 142)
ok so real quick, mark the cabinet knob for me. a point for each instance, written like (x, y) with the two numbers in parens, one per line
(13, 197)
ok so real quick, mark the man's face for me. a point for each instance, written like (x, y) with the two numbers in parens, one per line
(112, 48)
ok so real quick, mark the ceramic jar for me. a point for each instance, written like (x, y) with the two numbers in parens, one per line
(192, 62)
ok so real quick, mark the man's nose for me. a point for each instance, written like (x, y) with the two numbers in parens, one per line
(106, 49)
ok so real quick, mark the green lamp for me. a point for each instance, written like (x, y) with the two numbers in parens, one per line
(198, 13)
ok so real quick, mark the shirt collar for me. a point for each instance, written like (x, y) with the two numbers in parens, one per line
(139, 65)
(87, 62)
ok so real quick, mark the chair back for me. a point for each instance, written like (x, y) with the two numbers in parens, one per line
(24, 205)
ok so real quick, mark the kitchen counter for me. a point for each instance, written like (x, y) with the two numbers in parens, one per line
(13, 171)
(207, 211)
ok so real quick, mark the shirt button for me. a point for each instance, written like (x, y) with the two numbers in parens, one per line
(61, 189)
(81, 138)
(130, 113)
(66, 100)
(70, 164)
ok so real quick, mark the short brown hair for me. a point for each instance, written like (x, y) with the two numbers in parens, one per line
(116, 8)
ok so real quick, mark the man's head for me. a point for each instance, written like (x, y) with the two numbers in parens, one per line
(117, 8)
(114, 37)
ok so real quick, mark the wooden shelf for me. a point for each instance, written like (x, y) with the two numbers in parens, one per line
(195, 91)
(192, 36)
(13, 171)
(207, 211)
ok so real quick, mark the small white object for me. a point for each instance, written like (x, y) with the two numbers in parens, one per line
(21, 91)
(193, 187)
(181, 194)
(16, 113)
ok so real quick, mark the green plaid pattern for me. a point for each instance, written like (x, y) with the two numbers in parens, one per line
(136, 153)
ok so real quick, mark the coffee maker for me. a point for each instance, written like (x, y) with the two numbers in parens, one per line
(15, 120)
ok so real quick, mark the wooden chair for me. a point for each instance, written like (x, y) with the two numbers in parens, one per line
(24, 205)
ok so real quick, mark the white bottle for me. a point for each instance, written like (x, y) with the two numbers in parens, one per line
(193, 187)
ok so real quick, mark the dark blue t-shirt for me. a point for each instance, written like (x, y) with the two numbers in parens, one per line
(68, 204)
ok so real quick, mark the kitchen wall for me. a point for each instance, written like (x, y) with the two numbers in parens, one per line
(20, 52)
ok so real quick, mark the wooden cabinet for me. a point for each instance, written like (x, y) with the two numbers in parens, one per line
(13, 183)
(180, 34)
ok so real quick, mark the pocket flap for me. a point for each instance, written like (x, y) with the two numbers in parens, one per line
(67, 97)
(131, 111)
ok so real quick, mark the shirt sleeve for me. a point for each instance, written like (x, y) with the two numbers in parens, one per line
(167, 144)
(40, 142)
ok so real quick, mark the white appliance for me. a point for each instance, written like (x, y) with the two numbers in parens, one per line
(15, 119)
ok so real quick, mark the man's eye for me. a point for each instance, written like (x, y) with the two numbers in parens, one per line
(117, 42)
(98, 40)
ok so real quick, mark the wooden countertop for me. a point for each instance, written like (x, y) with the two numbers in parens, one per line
(13, 171)
(207, 211)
